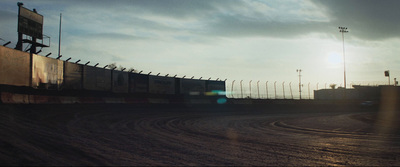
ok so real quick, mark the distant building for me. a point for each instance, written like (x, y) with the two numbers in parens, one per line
(370, 93)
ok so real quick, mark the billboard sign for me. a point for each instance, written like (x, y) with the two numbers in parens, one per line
(47, 72)
(14, 67)
(120, 82)
(72, 76)
(193, 87)
(215, 86)
(161, 85)
(138, 83)
(30, 23)
(96, 78)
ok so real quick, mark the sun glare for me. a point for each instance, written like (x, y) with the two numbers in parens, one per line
(334, 58)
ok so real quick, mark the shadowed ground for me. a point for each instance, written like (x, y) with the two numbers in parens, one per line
(181, 135)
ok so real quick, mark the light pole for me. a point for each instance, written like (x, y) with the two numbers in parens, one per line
(283, 88)
(266, 88)
(250, 87)
(299, 71)
(258, 89)
(343, 30)
(241, 89)
(309, 96)
(290, 86)
(232, 88)
(275, 88)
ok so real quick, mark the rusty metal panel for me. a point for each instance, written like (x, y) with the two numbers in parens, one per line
(72, 76)
(120, 82)
(193, 87)
(60, 73)
(46, 72)
(96, 78)
(138, 83)
(161, 85)
(14, 67)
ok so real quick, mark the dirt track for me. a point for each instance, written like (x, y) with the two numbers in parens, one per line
(132, 135)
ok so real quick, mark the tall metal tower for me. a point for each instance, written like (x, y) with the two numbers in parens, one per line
(343, 30)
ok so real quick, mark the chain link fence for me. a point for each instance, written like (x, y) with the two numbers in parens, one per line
(284, 90)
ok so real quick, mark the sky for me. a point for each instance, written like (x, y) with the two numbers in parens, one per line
(249, 40)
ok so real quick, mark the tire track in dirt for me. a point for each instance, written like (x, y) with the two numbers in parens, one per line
(125, 135)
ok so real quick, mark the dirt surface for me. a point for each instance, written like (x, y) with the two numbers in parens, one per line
(179, 135)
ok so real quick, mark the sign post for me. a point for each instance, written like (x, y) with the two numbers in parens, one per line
(387, 75)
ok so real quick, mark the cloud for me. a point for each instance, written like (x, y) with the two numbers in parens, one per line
(112, 36)
(366, 19)
(203, 18)
(7, 15)
(236, 27)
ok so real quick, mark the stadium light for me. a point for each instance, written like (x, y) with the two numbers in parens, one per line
(343, 30)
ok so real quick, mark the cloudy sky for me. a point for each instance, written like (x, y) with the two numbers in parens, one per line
(228, 39)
